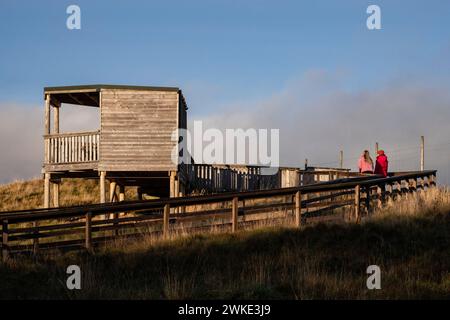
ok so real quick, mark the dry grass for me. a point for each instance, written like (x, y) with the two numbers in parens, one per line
(20, 195)
(408, 240)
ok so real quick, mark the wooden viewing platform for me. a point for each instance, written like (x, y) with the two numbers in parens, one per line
(133, 148)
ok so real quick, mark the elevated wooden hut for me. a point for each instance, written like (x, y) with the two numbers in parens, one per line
(132, 146)
(138, 132)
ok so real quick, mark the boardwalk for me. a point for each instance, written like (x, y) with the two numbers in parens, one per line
(84, 226)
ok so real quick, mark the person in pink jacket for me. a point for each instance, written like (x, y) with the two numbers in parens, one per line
(365, 163)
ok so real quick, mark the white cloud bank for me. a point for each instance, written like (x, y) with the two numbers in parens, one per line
(316, 116)
(21, 141)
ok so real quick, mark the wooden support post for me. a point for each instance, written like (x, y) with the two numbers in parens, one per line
(102, 186)
(432, 180)
(36, 239)
(357, 203)
(422, 153)
(112, 191)
(400, 190)
(380, 197)
(121, 196)
(173, 188)
(55, 194)
(177, 192)
(173, 175)
(298, 209)
(5, 244)
(56, 118)
(234, 214)
(368, 199)
(390, 193)
(47, 115)
(88, 231)
(46, 190)
(422, 183)
(166, 221)
(121, 193)
(412, 185)
(46, 205)
(112, 198)
(182, 194)
(47, 129)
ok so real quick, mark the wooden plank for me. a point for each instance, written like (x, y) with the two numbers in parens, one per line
(166, 221)
(137, 128)
(234, 214)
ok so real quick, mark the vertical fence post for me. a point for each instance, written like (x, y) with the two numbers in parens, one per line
(390, 194)
(88, 231)
(5, 245)
(357, 200)
(398, 195)
(234, 214)
(36, 237)
(368, 198)
(380, 196)
(298, 209)
(422, 183)
(432, 180)
(166, 221)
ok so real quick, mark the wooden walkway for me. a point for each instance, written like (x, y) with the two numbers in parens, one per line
(90, 225)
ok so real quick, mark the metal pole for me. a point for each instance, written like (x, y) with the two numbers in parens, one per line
(422, 153)
(341, 159)
(376, 148)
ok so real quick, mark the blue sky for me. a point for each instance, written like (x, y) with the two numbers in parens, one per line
(217, 51)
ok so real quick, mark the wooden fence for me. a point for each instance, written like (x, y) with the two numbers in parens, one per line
(85, 226)
(207, 178)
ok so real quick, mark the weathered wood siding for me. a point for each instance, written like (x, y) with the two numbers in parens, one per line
(136, 129)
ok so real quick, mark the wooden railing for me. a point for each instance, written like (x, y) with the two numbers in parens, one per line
(72, 147)
(84, 226)
(209, 179)
(206, 178)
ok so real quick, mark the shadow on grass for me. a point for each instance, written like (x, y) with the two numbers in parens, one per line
(316, 262)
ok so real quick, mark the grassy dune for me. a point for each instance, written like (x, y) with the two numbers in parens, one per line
(21, 195)
(408, 240)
